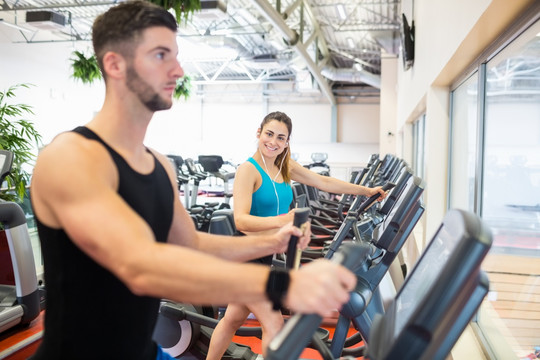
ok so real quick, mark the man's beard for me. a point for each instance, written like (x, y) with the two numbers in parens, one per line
(145, 93)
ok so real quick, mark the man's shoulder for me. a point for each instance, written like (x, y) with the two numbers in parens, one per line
(69, 144)
(160, 156)
(69, 152)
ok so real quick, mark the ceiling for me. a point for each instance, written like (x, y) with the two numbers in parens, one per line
(306, 44)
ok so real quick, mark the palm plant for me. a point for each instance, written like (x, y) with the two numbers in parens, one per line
(19, 136)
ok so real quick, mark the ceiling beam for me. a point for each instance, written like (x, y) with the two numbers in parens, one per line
(292, 38)
(5, 6)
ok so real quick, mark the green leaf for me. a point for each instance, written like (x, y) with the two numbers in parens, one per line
(182, 8)
(19, 136)
(85, 68)
(183, 87)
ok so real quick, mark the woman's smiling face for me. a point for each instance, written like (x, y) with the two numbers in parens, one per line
(273, 139)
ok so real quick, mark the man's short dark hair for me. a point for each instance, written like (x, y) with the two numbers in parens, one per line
(119, 28)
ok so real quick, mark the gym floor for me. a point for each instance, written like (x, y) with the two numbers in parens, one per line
(311, 354)
(20, 343)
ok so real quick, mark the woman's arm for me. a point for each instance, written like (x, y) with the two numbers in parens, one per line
(330, 184)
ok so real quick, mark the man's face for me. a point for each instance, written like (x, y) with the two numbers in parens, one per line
(146, 94)
(152, 74)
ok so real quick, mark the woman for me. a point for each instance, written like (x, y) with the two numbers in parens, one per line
(262, 198)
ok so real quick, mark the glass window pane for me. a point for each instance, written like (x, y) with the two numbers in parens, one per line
(463, 144)
(511, 189)
(418, 146)
(421, 153)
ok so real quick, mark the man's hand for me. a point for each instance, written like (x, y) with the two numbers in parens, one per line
(319, 287)
(284, 235)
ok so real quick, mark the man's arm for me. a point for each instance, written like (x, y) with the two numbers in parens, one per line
(74, 188)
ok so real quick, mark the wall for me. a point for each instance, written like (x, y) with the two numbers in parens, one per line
(449, 36)
(388, 110)
(440, 26)
(224, 122)
(356, 126)
(57, 100)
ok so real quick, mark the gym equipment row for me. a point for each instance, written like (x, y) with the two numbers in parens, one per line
(385, 242)
(380, 230)
(182, 320)
(431, 310)
(189, 175)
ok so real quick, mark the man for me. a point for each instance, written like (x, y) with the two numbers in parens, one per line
(115, 237)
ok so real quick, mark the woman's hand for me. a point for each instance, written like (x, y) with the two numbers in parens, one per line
(288, 217)
(283, 236)
(377, 190)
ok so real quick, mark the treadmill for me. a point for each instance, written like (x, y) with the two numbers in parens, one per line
(19, 303)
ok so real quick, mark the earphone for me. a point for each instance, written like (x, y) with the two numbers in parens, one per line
(275, 177)
(279, 171)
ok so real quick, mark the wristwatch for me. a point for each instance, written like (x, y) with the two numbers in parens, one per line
(277, 286)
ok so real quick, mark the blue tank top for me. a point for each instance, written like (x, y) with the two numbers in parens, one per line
(264, 201)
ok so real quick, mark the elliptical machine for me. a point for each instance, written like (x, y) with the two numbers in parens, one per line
(20, 303)
(184, 330)
(213, 164)
(319, 164)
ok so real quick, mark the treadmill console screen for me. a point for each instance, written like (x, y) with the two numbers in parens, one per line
(423, 275)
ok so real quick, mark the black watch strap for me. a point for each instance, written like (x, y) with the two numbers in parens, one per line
(277, 286)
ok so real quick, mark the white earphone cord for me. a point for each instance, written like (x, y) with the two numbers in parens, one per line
(274, 180)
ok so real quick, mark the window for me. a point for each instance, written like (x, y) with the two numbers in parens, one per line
(463, 142)
(511, 188)
(511, 196)
(419, 127)
(495, 172)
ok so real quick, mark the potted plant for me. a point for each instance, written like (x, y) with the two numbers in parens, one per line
(182, 8)
(19, 136)
(85, 68)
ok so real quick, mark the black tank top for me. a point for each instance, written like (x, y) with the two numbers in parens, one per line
(91, 314)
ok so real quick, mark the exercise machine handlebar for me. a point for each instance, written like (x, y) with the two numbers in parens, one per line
(299, 330)
(301, 216)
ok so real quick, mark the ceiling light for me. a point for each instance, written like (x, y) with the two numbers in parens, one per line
(350, 42)
(358, 67)
(212, 10)
(341, 11)
(46, 20)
